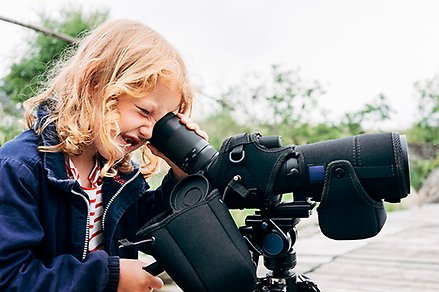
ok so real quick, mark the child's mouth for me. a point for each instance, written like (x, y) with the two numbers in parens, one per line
(130, 141)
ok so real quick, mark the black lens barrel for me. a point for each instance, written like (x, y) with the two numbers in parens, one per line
(182, 146)
(380, 161)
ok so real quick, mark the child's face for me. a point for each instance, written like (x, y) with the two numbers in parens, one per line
(139, 115)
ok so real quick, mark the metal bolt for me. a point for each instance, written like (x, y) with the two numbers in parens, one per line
(294, 172)
(339, 172)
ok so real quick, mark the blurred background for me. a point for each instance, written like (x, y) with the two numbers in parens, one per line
(306, 70)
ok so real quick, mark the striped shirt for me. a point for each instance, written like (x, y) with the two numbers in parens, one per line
(96, 210)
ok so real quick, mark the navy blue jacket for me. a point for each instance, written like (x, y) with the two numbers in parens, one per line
(44, 220)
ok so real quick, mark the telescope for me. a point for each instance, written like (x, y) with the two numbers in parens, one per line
(266, 169)
(348, 178)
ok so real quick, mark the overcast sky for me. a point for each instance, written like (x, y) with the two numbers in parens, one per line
(355, 49)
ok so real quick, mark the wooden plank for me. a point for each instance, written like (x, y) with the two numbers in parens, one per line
(407, 260)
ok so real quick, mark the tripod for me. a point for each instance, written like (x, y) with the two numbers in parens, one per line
(271, 233)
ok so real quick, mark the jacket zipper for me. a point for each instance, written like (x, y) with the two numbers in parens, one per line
(115, 196)
(87, 231)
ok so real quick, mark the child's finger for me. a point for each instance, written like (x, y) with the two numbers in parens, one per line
(202, 134)
(155, 282)
(192, 126)
(183, 119)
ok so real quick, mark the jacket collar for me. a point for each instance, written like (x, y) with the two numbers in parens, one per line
(53, 162)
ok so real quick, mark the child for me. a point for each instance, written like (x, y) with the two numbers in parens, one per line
(68, 189)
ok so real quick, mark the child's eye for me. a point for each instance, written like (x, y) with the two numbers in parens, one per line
(144, 112)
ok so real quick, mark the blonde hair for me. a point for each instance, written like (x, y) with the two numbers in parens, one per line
(118, 57)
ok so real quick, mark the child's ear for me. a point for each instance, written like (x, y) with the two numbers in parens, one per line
(90, 74)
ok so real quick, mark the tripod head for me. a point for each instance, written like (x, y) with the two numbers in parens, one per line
(271, 232)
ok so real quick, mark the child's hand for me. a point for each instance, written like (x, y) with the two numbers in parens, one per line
(192, 126)
(133, 278)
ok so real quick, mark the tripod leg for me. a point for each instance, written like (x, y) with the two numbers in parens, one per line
(304, 284)
(291, 284)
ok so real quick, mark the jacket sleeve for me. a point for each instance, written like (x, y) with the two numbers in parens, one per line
(21, 234)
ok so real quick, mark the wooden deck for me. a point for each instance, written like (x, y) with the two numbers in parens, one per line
(404, 257)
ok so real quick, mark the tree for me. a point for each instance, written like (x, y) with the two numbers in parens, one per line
(9, 127)
(282, 97)
(377, 111)
(26, 75)
(284, 104)
(428, 95)
(273, 104)
(427, 128)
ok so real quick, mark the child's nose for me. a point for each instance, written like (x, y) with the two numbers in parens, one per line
(146, 132)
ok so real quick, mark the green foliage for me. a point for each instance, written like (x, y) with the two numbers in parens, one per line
(377, 111)
(305, 133)
(281, 98)
(427, 128)
(422, 133)
(283, 104)
(220, 126)
(8, 129)
(420, 169)
(428, 96)
(24, 77)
